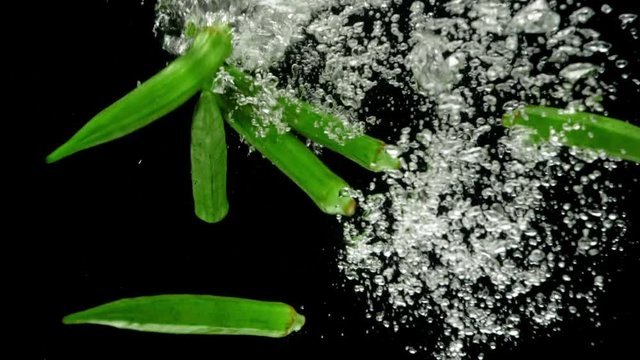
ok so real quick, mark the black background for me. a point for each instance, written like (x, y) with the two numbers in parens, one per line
(116, 221)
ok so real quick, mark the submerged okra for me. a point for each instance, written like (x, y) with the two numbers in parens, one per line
(195, 314)
(584, 130)
(324, 129)
(193, 72)
(209, 160)
(157, 96)
(294, 159)
(364, 150)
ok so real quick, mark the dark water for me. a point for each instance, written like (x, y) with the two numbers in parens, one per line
(117, 221)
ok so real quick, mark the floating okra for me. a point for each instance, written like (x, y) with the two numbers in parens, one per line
(209, 160)
(195, 314)
(325, 129)
(584, 130)
(157, 96)
(294, 159)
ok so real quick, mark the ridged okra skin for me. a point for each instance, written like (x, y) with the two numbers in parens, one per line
(195, 314)
(156, 97)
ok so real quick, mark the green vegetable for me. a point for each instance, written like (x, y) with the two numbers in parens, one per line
(209, 160)
(584, 130)
(364, 150)
(195, 71)
(156, 97)
(195, 314)
(294, 159)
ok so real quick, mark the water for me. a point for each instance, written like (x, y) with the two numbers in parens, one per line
(481, 235)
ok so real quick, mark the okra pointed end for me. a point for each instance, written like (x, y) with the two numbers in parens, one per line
(74, 319)
(297, 323)
(164, 92)
(61, 152)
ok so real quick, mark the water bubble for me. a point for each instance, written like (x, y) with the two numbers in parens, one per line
(536, 18)
(393, 151)
(598, 281)
(577, 71)
(621, 63)
(536, 256)
(379, 280)
(598, 46)
(433, 72)
(584, 243)
(581, 15)
(626, 19)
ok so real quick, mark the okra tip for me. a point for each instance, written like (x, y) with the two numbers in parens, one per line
(298, 322)
(385, 160)
(350, 207)
(343, 204)
(212, 216)
(510, 119)
(60, 153)
(75, 318)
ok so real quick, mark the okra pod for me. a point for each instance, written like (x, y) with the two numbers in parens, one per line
(294, 159)
(209, 160)
(157, 96)
(195, 314)
(584, 130)
(320, 127)
(364, 150)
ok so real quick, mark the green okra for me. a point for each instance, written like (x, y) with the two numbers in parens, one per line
(366, 151)
(305, 119)
(209, 160)
(195, 314)
(157, 96)
(294, 159)
(584, 130)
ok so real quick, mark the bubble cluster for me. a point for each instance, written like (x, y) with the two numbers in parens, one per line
(474, 236)
(263, 29)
